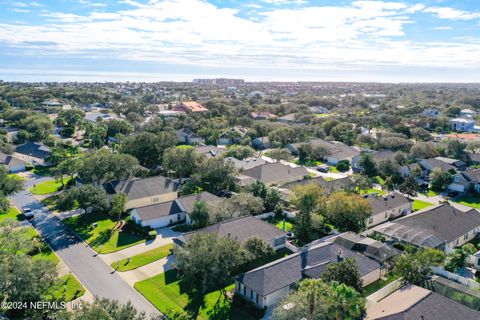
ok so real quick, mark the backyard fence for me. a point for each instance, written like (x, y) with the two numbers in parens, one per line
(455, 277)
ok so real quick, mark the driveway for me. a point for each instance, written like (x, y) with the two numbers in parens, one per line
(92, 272)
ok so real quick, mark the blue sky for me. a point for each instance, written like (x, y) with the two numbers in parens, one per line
(150, 40)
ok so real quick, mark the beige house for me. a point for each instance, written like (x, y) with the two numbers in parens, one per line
(387, 207)
(144, 192)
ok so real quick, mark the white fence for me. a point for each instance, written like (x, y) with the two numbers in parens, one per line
(383, 292)
(455, 277)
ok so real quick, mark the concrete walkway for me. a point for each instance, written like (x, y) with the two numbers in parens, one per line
(148, 271)
(165, 236)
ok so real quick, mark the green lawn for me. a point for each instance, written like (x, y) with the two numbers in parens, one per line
(379, 180)
(278, 222)
(419, 205)
(372, 190)
(322, 115)
(12, 213)
(16, 177)
(104, 237)
(143, 258)
(168, 295)
(333, 169)
(470, 201)
(68, 288)
(49, 186)
(379, 284)
(432, 193)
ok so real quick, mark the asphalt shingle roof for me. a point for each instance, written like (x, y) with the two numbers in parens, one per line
(142, 188)
(381, 204)
(276, 173)
(158, 210)
(312, 263)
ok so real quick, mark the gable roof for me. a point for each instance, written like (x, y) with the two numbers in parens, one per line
(276, 173)
(413, 303)
(431, 228)
(158, 210)
(311, 262)
(34, 149)
(367, 246)
(142, 188)
(381, 204)
(430, 164)
(246, 164)
(336, 149)
(472, 175)
(241, 229)
(327, 185)
(187, 202)
(10, 161)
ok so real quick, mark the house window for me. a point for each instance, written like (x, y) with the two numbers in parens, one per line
(155, 199)
(457, 178)
(242, 289)
(370, 220)
(279, 241)
(179, 217)
(254, 296)
(386, 215)
(465, 237)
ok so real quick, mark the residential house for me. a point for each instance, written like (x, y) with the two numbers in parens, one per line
(246, 164)
(328, 186)
(12, 163)
(377, 157)
(443, 226)
(262, 115)
(413, 302)
(233, 135)
(458, 164)
(289, 118)
(461, 183)
(411, 169)
(95, 117)
(468, 113)
(387, 207)
(268, 284)
(319, 109)
(431, 112)
(33, 152)
(337, 151)
(209, 151)
(187, 136)
(374, 249)
(243, 228)
(473, 177)
(473, 157)
(272, 174)
(144, 192)
(428, 165)
(462, 124)
(190, 107)
(261, 143)
(163, 214)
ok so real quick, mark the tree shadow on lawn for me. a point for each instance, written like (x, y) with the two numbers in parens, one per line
(102, 238)
(125, 238)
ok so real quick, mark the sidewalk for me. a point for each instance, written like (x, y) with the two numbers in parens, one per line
(164, 237)
(148, 271)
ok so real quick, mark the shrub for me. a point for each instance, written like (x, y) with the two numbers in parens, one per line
(152, 235)
(342, 166)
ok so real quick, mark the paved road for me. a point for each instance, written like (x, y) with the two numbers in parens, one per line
(94, 274)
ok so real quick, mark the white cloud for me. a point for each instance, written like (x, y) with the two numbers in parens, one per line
(452, 14)
(443, 28)
(366, 33)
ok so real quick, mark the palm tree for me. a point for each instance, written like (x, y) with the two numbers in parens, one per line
(343, 302)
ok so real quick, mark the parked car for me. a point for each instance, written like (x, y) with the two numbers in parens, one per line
(225, 194)
(29, 213)
(323, 169)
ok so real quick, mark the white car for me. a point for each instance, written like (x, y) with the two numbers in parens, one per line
(29, 213)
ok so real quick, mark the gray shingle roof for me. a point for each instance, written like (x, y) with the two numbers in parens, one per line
(246, 163)
(10, 161)
(276, 173)
(34, 149)
(158, 210)
(381, 204)
(187, 202)
(430, 164)
(327, 185)
(142, 188)
(312, 262)
(436, 307)
(242, 229)
(472, 175)
(432, 227)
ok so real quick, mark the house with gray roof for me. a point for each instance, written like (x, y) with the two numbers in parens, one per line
(387, 207)
(443, 226)
(247, 163)
(34, 152)
(328, 186)
(12, 163)
(473, 177)
(268, 284)
(271, 174)
(377, 156)
(261, 143)
(144, 192)
(209, 151)
(369, 247)
(187, 136)
(337, 151)
(163, 214)
(243, 228)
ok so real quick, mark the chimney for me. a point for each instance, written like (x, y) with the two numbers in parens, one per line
(339, 255)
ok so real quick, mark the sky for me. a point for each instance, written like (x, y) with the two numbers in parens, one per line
(264, 40)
